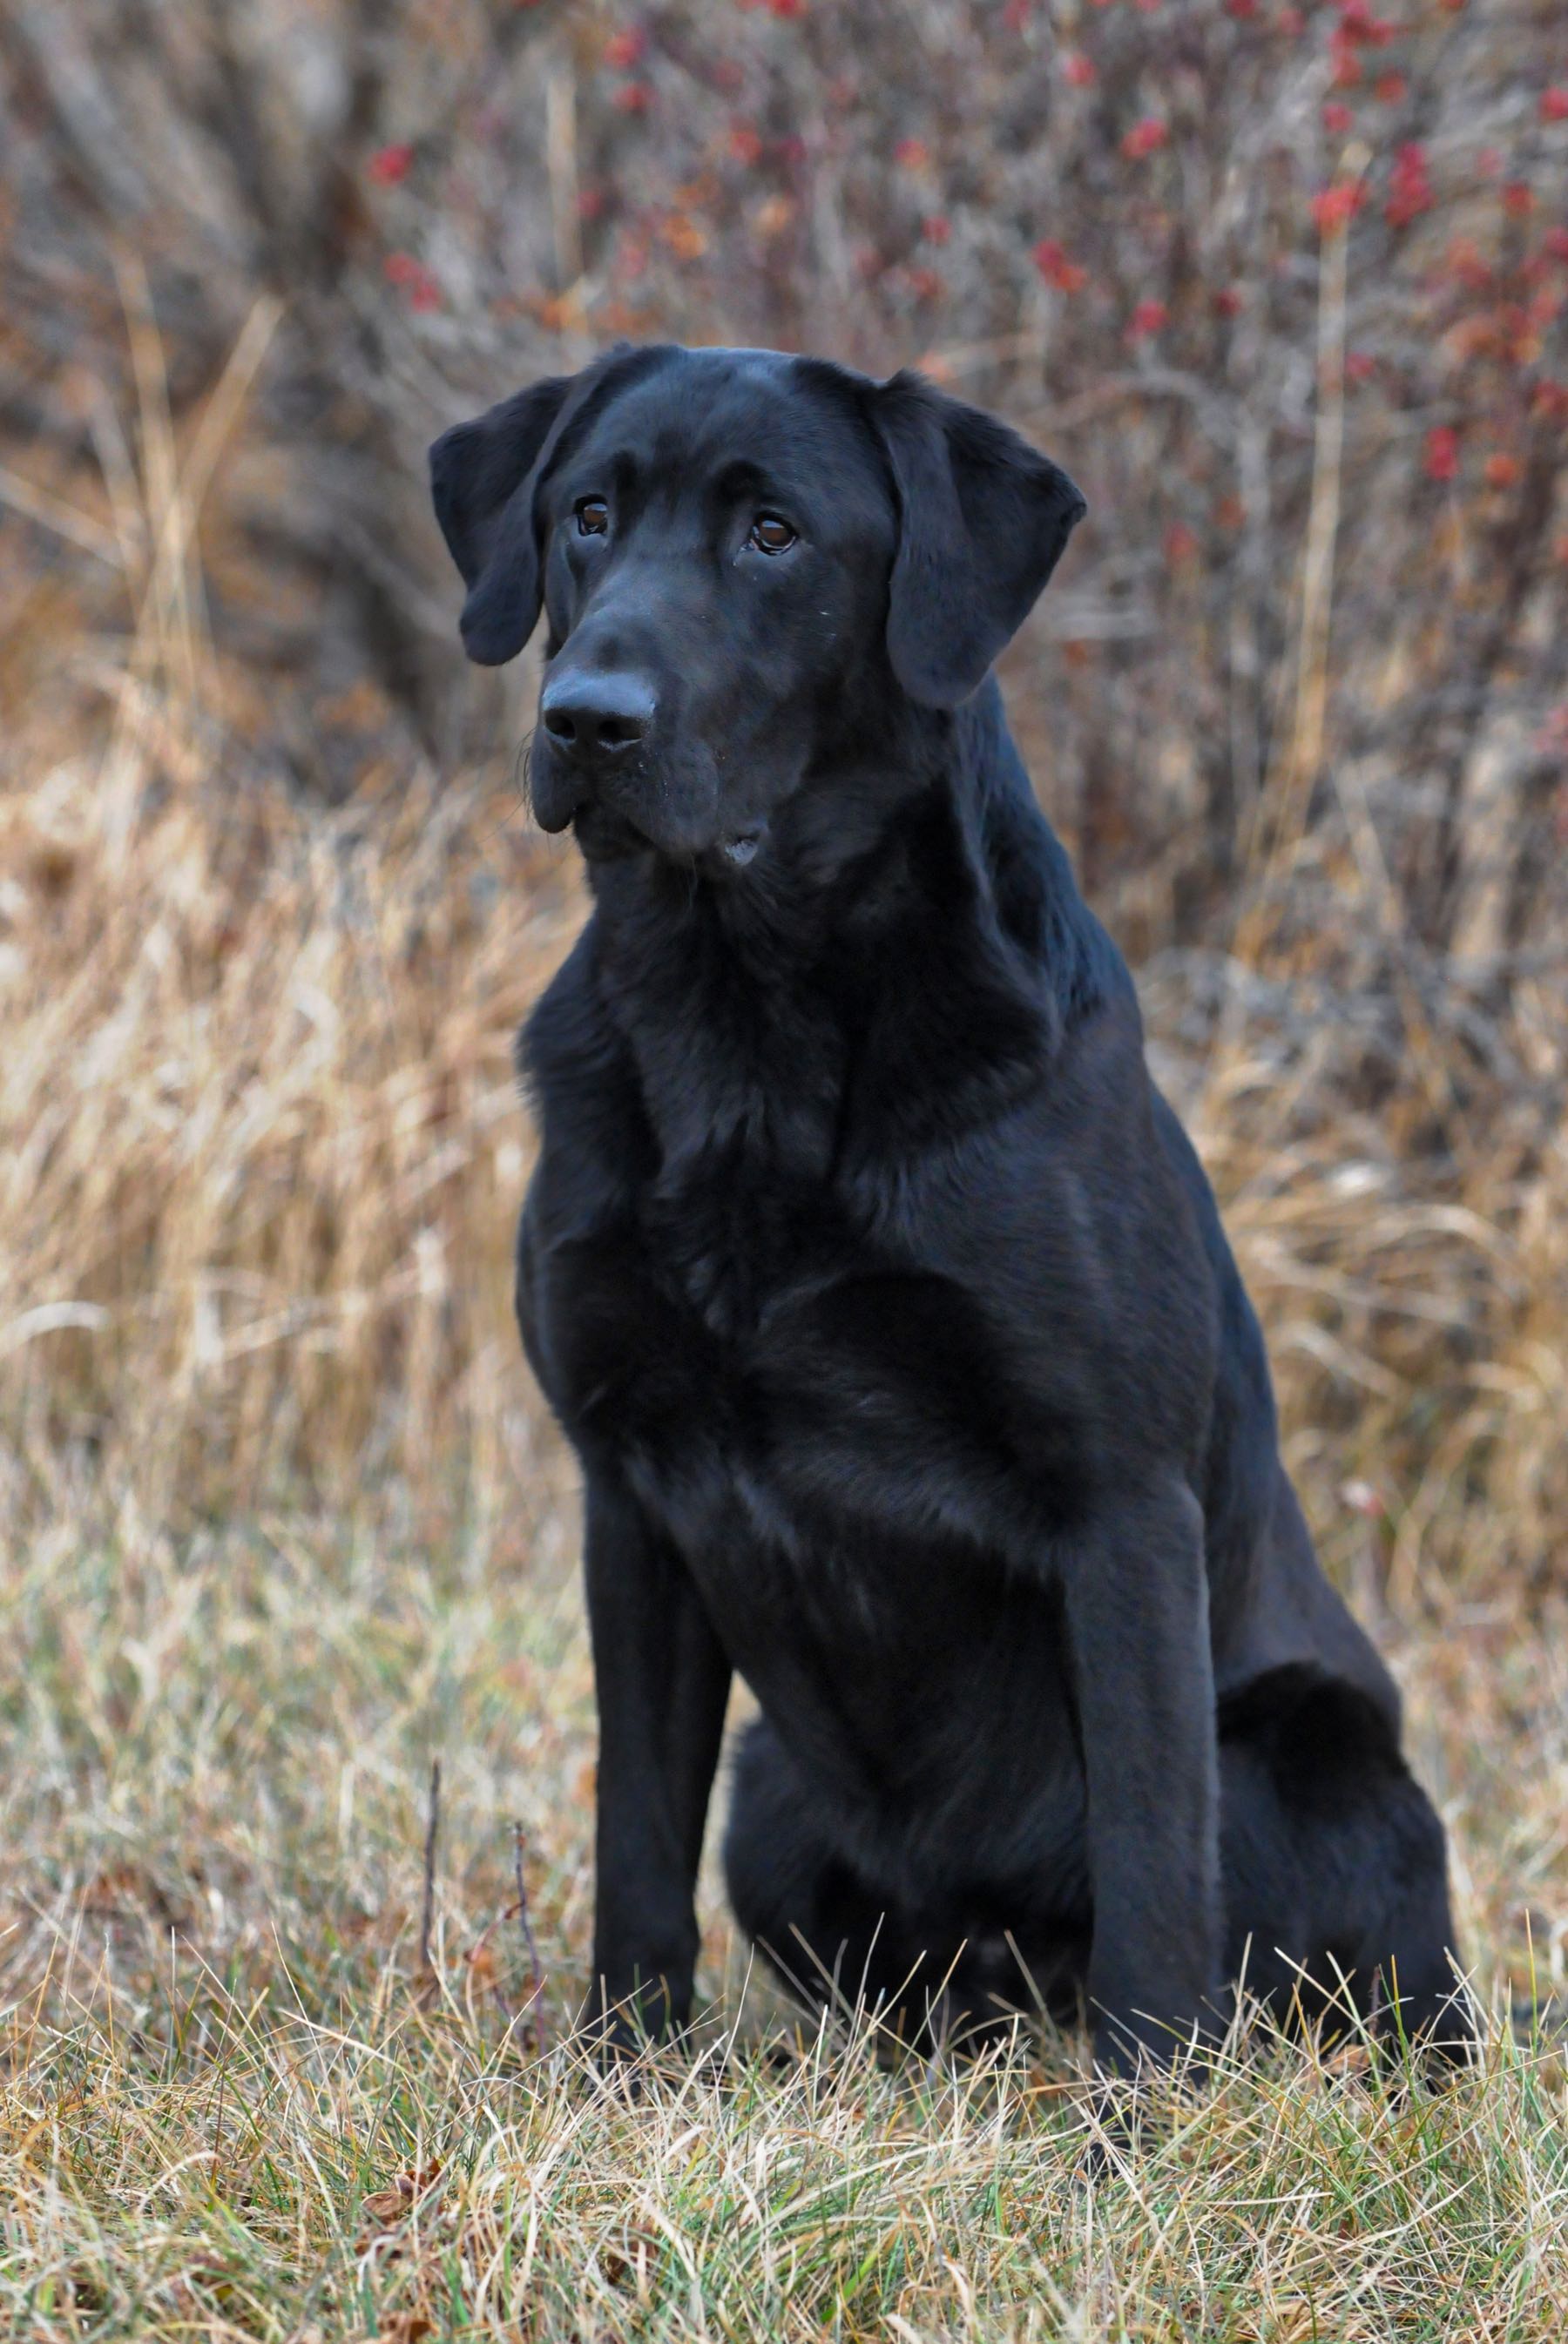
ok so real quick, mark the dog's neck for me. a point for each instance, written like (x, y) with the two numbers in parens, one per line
(855, 993)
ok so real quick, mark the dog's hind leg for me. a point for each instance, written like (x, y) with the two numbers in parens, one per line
(957, 1970)
(829, 1935)
(1333, 1864)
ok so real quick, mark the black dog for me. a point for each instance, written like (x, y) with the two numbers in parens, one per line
(881, 1294)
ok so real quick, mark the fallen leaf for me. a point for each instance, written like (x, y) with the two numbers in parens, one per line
(387, 2206)
(402, 2328)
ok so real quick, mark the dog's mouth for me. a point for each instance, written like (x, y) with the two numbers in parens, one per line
(605, 837)
(603, 834)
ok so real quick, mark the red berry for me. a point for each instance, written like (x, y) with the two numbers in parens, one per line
(1333, 208)
(389, 164)
(1055, 268)
(1442, 452)
(1145, 137)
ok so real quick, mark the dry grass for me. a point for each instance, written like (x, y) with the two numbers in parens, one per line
(281, 1521)
(231, 2105)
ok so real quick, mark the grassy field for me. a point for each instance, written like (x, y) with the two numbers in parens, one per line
(281, 1524)
(233, 2103)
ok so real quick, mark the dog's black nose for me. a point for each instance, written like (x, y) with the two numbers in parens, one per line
(597, 718)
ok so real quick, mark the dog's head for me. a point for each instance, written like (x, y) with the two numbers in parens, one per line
(736, 548)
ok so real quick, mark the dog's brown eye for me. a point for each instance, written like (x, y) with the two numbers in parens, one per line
(592, 516)
(771, 535)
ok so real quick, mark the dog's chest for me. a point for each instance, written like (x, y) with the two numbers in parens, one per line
(729, 1249)
(843, 1446)
(848, 1476)
(771, 1380)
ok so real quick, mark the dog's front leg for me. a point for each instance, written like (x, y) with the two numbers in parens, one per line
(662, 1681)
(1137, 1603)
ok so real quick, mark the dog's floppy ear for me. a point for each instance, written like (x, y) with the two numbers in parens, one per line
(983, 520)
(477, 470)
(483, 476)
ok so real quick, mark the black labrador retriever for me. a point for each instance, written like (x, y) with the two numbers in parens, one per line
(881, 1294)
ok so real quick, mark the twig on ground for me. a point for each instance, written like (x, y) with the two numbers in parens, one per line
(536, 1976)
(427, 1913)
(217, 2125)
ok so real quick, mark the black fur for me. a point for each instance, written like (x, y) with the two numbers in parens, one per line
(882, 1296)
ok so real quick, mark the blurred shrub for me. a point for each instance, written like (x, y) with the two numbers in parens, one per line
(1106, 219)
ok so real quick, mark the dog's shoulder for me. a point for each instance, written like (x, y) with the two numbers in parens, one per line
(1039, 907)
(569, 1055)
